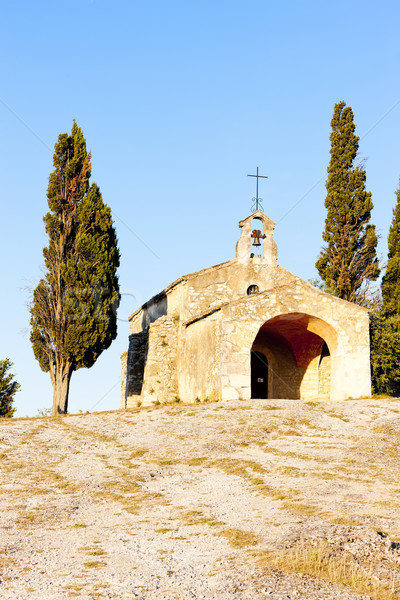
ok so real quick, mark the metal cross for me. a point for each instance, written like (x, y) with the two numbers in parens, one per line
(257, 199)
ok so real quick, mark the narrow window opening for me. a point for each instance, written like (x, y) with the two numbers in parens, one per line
(252, 289)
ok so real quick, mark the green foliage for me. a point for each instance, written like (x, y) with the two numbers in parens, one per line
(8, 389)
(385, 323)
(391, 280)
(348, 262)
(385, 353)
(73, 313)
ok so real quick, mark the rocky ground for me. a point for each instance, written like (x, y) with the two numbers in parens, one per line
(240, 500)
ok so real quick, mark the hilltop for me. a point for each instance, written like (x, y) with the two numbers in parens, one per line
(207, 501)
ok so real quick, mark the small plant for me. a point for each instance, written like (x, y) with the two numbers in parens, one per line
(44, 412)
(177, 400)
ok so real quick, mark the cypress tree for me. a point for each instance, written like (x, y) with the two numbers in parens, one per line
(348, 262)
(385, 353)
(8, 389)
(385, 323)
(73, 312)
(391, 280)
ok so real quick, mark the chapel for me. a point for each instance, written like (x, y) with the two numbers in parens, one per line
(246, 328)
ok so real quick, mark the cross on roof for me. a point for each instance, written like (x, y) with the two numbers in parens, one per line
(257, 199)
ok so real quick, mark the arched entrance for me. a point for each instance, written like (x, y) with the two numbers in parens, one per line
(259, 375)
(297, 348)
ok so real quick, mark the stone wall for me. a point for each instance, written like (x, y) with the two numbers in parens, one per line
(199, 360)
(152, 374)
(324, 378)
(207, 297)
(124, 360)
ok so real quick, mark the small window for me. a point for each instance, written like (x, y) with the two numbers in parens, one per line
(252, 289)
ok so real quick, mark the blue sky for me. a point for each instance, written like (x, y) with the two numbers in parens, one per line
(178, 102)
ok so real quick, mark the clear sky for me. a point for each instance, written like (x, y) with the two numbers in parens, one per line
(179, 101)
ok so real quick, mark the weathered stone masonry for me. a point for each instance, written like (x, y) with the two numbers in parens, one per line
(197, 339)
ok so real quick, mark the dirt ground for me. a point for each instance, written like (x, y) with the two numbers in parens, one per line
(274, 499)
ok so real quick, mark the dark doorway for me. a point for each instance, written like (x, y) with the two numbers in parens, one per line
(259, 375)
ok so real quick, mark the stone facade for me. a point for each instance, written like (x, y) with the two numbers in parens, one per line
(246, 328)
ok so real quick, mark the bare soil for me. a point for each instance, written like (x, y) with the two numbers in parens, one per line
(274, 499)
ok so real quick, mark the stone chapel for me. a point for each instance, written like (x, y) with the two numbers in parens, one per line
(246, 328)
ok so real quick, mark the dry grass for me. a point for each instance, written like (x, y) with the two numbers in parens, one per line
(94, 564)
(83, 432)
(238, 538)
(346, 520)
(138, 453)
(301, 508)
(240, 467)
(320, 561)
(193, 517)
(197, 461)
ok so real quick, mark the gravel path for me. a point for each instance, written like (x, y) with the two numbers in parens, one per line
(211, 501)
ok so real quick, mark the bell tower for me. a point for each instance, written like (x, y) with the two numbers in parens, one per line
(251, 239)
(256, 244)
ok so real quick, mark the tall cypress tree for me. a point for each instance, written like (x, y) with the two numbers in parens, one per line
(385, 323)
(73, 312)
(391, 279)
(385, 353)
(348, 261)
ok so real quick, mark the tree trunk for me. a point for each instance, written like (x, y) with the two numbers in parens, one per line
(62, 377)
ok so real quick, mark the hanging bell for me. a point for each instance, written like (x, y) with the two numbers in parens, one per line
(256, 237)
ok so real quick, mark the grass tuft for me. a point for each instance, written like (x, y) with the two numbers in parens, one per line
(239, 538)
(320, 561)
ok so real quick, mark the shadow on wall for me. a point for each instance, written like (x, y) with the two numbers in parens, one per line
(137, 358)
(138, 350)
(154, 309)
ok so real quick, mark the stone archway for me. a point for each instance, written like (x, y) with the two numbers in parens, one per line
(298, 349)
